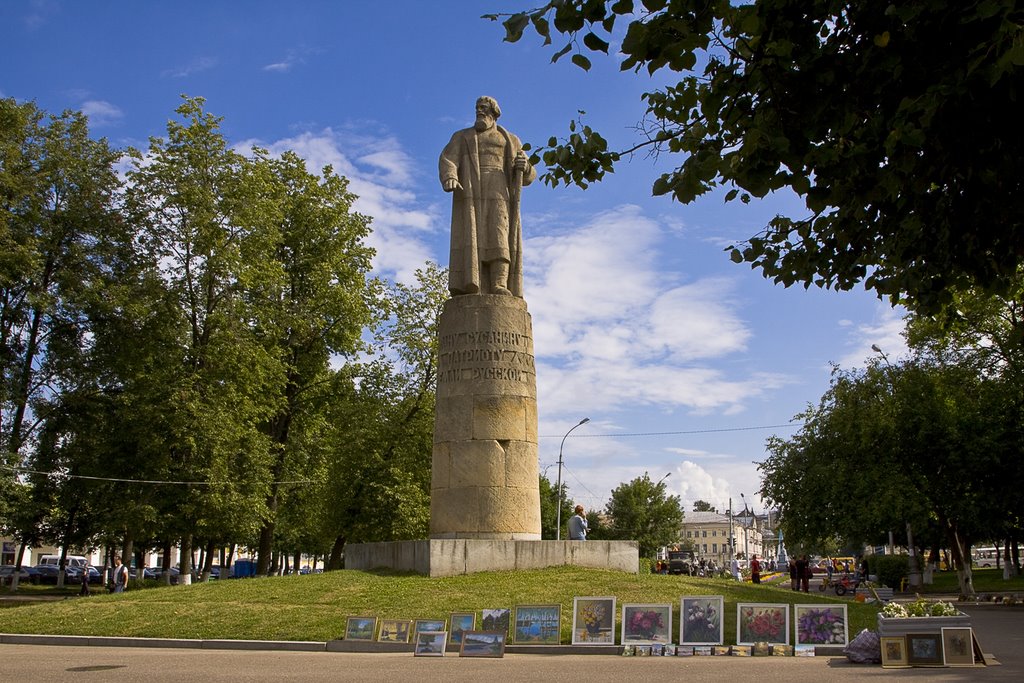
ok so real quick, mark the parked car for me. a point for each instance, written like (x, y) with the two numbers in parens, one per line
(44, 573)
(7, 571)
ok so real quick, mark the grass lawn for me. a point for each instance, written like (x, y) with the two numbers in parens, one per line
(985, 581)
(315, 606)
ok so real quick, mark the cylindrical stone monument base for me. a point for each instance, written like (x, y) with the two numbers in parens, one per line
(484, 481)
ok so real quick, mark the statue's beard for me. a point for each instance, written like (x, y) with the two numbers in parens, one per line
(483, 122)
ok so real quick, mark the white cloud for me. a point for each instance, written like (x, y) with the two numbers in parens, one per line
(696, 483)
(885, 332)
(612, 330)
(197, 65)
(293, 58)
(380, 174)
(101, 113)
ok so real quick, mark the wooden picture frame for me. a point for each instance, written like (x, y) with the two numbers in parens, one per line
(762, 621)
(537, 625)
(957, 646)
(394, 631)
(924, 649)
(894, 652)
(821, 624)
(483, 644)
(360, 628)
(702, 620)
(430, 643)
(428, 625)
(646, 623)
(459, 623)
(593, 620)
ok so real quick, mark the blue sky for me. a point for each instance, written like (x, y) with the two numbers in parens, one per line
(641, 321)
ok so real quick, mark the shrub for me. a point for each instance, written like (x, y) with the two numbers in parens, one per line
(890, 569)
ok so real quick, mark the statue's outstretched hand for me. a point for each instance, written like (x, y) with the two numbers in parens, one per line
(451, 184)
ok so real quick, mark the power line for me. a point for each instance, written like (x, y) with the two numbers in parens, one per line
(692, 431)
(22, 470)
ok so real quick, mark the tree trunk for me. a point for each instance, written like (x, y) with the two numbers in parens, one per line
(185, 577)
(335, 561)
(962, 561)
(165, 564)
(298, 561)
(129, 552)
(225, 566)
(207, 563)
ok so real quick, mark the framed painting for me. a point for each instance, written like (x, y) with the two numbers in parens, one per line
(360, 628)
(924, 649)
(758, 621)
(430, 643)
(394, 631)
(459, 623)
(537, 625)
(593, 621)
(957, 646)
(483, 644)
(700, 620)
(495, 620)
(427, 625)
(821, 625)
(894, 652)
(646, 623)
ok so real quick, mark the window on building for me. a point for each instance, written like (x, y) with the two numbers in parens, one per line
(705, 548)
(705, 533)
(714, 547)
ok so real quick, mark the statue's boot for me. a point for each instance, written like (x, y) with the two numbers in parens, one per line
(499, 277)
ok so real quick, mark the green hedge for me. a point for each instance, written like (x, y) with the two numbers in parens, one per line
(891, 569)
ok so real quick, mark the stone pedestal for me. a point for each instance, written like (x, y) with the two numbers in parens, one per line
(454, 557)
(485, 479)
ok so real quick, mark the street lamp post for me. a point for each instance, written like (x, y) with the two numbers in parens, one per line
(914, 574)
(558, 486)
(746, 531)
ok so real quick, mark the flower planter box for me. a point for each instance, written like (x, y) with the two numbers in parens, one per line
(893, 626)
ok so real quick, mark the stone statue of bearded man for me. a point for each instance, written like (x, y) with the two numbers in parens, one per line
(485, 167)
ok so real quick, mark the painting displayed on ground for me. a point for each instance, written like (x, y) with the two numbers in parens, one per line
(593, 621)
(537, 625)
(700, 620)
(428, 625)
(894, 652)
(646, 623)
(821, 625)
(957, 646)
(495, 619)
(430, 643)
(459, 623)
(360, 628)
(394, 631)
(483, 644)
(757, 622)
(924, 649)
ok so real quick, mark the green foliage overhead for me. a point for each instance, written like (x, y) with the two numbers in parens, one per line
(895, 122)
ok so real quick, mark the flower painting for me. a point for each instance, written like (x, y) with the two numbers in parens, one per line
(821, 625)
(646, 624)
(700, 620)
(761, 622)
(593, 621)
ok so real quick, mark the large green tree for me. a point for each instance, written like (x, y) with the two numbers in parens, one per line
(310, 309)
(57, 188)
(914, 444)
(895, 122)
(641, 510)
(206, 231)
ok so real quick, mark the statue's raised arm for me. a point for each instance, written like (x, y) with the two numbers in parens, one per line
(485, 167)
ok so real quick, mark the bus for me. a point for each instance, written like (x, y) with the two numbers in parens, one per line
(985, 556)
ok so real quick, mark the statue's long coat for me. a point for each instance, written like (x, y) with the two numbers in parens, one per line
(460, 160)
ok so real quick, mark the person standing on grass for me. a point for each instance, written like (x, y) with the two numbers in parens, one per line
(120, 575)
(755, 570)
